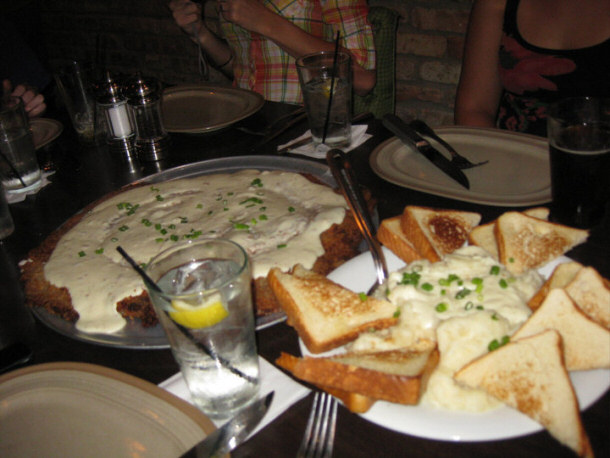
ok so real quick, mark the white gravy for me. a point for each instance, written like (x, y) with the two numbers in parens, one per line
(276, 216)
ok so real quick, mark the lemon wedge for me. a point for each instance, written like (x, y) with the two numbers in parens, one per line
(326, 88)
(204, 315)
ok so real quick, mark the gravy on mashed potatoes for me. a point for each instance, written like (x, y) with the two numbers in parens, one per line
(467, 304)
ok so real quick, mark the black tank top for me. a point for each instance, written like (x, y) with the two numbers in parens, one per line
(534, 77)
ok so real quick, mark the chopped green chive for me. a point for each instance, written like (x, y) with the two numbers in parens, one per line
(81, 254)
(495, 270)
(427, 287)
(441, 307)
(363, 297)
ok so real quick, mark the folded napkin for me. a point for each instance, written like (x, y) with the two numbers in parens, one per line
(287, 391)
(13, 197)
(359, 136)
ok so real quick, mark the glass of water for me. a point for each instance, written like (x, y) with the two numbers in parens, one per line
(19, 169)
(204, 304)
(321, 75)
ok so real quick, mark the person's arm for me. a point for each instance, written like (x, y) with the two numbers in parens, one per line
(255, 17)
(188, 17)
(33, 101)
(479, 89)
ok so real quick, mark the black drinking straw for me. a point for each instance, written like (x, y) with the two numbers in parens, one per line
(208, 351)
(332, 87)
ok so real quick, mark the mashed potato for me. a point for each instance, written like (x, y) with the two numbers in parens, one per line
(466, 304)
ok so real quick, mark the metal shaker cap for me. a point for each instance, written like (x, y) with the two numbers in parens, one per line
(108, 90)
(142, 91)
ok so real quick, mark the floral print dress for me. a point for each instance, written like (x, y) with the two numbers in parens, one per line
(533, 77)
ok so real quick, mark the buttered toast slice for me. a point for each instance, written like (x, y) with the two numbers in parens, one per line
(436, 232)
(395, 376)
(563, 274)
(529, 375)
(586, 343)
(483, 234)
(324, 314)
(526, 243)
(591, 292)
(390, 235)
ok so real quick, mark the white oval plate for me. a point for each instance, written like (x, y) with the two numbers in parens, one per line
(44, 131)
(517, 174)
(76, 409)
(358, 274)
(197, 109)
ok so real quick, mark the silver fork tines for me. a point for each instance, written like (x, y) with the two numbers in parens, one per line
(319, 434)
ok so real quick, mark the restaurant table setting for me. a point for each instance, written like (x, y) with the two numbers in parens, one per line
(516, 177)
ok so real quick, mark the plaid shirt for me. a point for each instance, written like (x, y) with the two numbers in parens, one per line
(262, 66)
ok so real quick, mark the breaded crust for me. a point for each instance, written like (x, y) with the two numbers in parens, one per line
(340, 243)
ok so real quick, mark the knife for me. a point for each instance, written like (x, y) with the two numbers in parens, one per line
(411, 138)
(233, 432)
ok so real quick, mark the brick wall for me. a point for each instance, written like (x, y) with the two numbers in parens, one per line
(140, 35)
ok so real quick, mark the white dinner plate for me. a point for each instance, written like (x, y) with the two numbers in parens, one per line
(358, 274)
(517, 174)
(44, 131)
(76, 409)
(199, 109)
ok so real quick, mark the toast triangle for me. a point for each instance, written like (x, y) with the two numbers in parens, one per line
(390, 235)
(324, 314)
(437, 232)
(530, 376)
(586, 343)
(591, 293)
(526, 243)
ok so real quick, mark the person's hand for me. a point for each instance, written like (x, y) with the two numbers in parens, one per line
(249, 14)
(32, 100)
(187, 15)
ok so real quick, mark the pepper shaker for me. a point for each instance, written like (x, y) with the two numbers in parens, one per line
(144, 99)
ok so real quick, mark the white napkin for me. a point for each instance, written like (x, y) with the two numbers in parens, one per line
(287, 391)
(359, 136)
(13, 197)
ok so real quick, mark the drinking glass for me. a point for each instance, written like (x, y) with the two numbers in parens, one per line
(205, 307)
(6, 220)
(19, 169)
(579, 145)
(74, 83)
(316, 80)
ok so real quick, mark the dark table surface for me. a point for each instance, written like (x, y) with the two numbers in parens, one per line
(85, 173)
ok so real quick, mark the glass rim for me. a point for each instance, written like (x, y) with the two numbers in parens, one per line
(553, 108)
(342, 57)
(201, 241)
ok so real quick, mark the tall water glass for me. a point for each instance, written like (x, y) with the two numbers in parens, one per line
(579, 144)
(205, 307)
(19, 169)
(74, 83)
(319, 74)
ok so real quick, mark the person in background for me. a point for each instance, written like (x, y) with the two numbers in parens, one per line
(21, 71)
(34, 102)
(522, 55)
(262, 38)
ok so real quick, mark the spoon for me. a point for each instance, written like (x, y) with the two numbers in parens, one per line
(343, 171)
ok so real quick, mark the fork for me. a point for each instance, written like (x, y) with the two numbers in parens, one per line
(460, 161)
(319, 436)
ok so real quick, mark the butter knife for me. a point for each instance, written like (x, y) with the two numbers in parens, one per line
(411, 138)
(233, 432)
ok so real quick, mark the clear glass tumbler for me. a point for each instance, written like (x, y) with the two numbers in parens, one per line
(205, 307)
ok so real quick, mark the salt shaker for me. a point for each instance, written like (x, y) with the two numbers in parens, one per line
(119, 124)
(144, 99)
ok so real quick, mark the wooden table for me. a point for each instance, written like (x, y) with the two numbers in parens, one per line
(85, 173)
